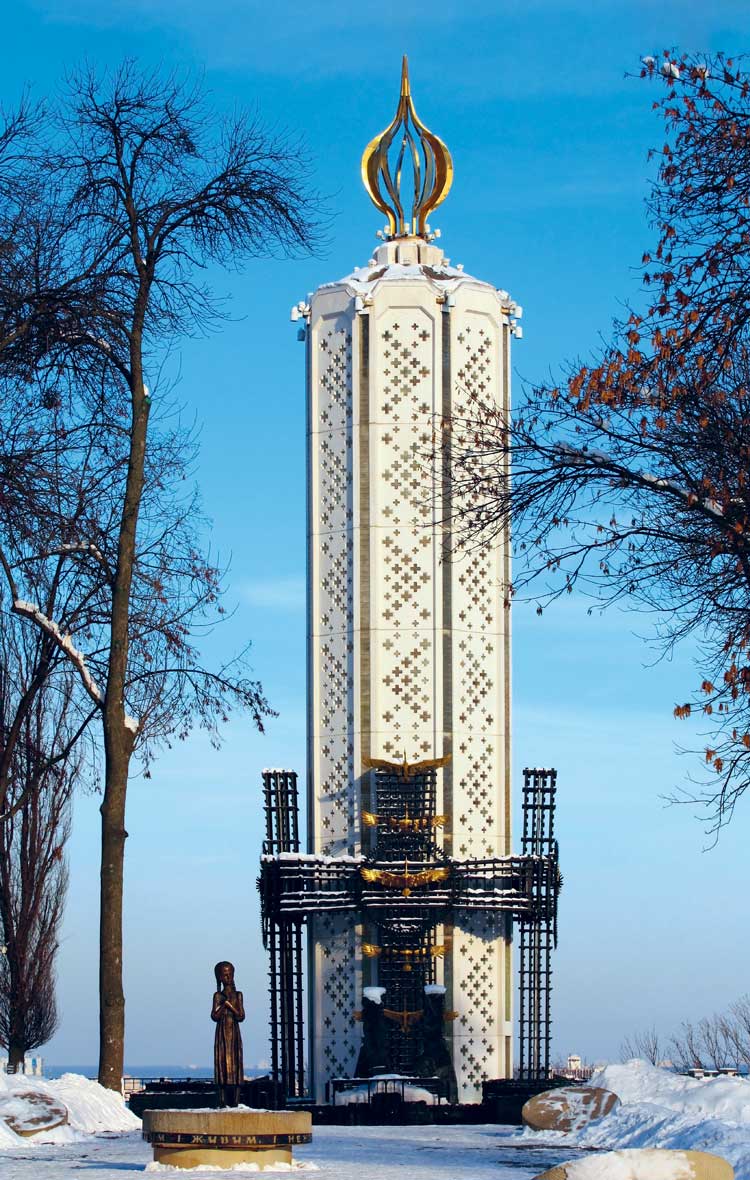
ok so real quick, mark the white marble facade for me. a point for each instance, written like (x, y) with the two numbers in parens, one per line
(409, 651)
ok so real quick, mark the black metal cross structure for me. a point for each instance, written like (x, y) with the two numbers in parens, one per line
(401, 892)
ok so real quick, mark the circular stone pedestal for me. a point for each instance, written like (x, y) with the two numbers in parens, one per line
(223, 1138)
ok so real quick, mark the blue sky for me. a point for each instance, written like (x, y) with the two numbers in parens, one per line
(549, 141)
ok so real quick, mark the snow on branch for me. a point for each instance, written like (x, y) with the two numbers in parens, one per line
(87, 548)
(76, 657)
(82, 547)
(64, 642)
(590, 457)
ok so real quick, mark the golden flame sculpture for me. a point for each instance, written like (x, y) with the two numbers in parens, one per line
(429, 162)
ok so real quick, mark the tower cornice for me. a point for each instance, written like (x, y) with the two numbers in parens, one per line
(445, 281)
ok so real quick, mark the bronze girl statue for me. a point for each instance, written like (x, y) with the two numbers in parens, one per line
(227, 1011)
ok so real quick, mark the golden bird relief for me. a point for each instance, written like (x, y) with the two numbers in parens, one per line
(405, 1019)
(406, 823)
(406, 769)
(405, 881)
(371, 951)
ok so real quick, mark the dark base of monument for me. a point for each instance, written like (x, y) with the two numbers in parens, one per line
(502, 1103)
(386, 1090)
(392, 1114)
(195, 1094)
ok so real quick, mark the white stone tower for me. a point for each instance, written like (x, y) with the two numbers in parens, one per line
(408, 647)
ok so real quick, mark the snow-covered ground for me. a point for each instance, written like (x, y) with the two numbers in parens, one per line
(103, 1140)
(336, 1153)
(658, 1109)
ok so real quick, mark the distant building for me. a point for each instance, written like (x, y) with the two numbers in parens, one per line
(575, 1069)
(33, 1067)
(726, 1071)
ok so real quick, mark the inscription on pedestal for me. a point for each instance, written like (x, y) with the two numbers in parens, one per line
(224, 1138)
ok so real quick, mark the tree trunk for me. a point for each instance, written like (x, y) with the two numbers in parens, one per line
(119, 741)
(111, 994)
(16, 1055)
(16, 1042)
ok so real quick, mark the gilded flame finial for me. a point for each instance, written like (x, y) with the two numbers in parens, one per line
(421, 153)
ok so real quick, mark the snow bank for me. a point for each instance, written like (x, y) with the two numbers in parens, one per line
(637, 1081)
(663, 1109)
(91, 1108)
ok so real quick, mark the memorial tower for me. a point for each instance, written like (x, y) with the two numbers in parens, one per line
(408, 644)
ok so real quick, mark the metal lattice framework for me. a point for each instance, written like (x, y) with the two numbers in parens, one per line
(402, 891)
(300, 884)
(538, 935)
(282, 937)
(406, 864)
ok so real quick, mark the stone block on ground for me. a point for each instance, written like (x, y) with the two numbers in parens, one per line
(644, 1163)
(568, 1109)
(30, 1112)
(225, 1137)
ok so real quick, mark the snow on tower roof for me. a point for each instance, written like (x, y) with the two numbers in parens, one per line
(409, 260)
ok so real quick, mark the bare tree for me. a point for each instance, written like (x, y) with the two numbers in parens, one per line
(147, 187)
(738, 1029)
(714, 1042)
(685, 1049)
(646, 1044)
(630, 477)
(43, 756)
